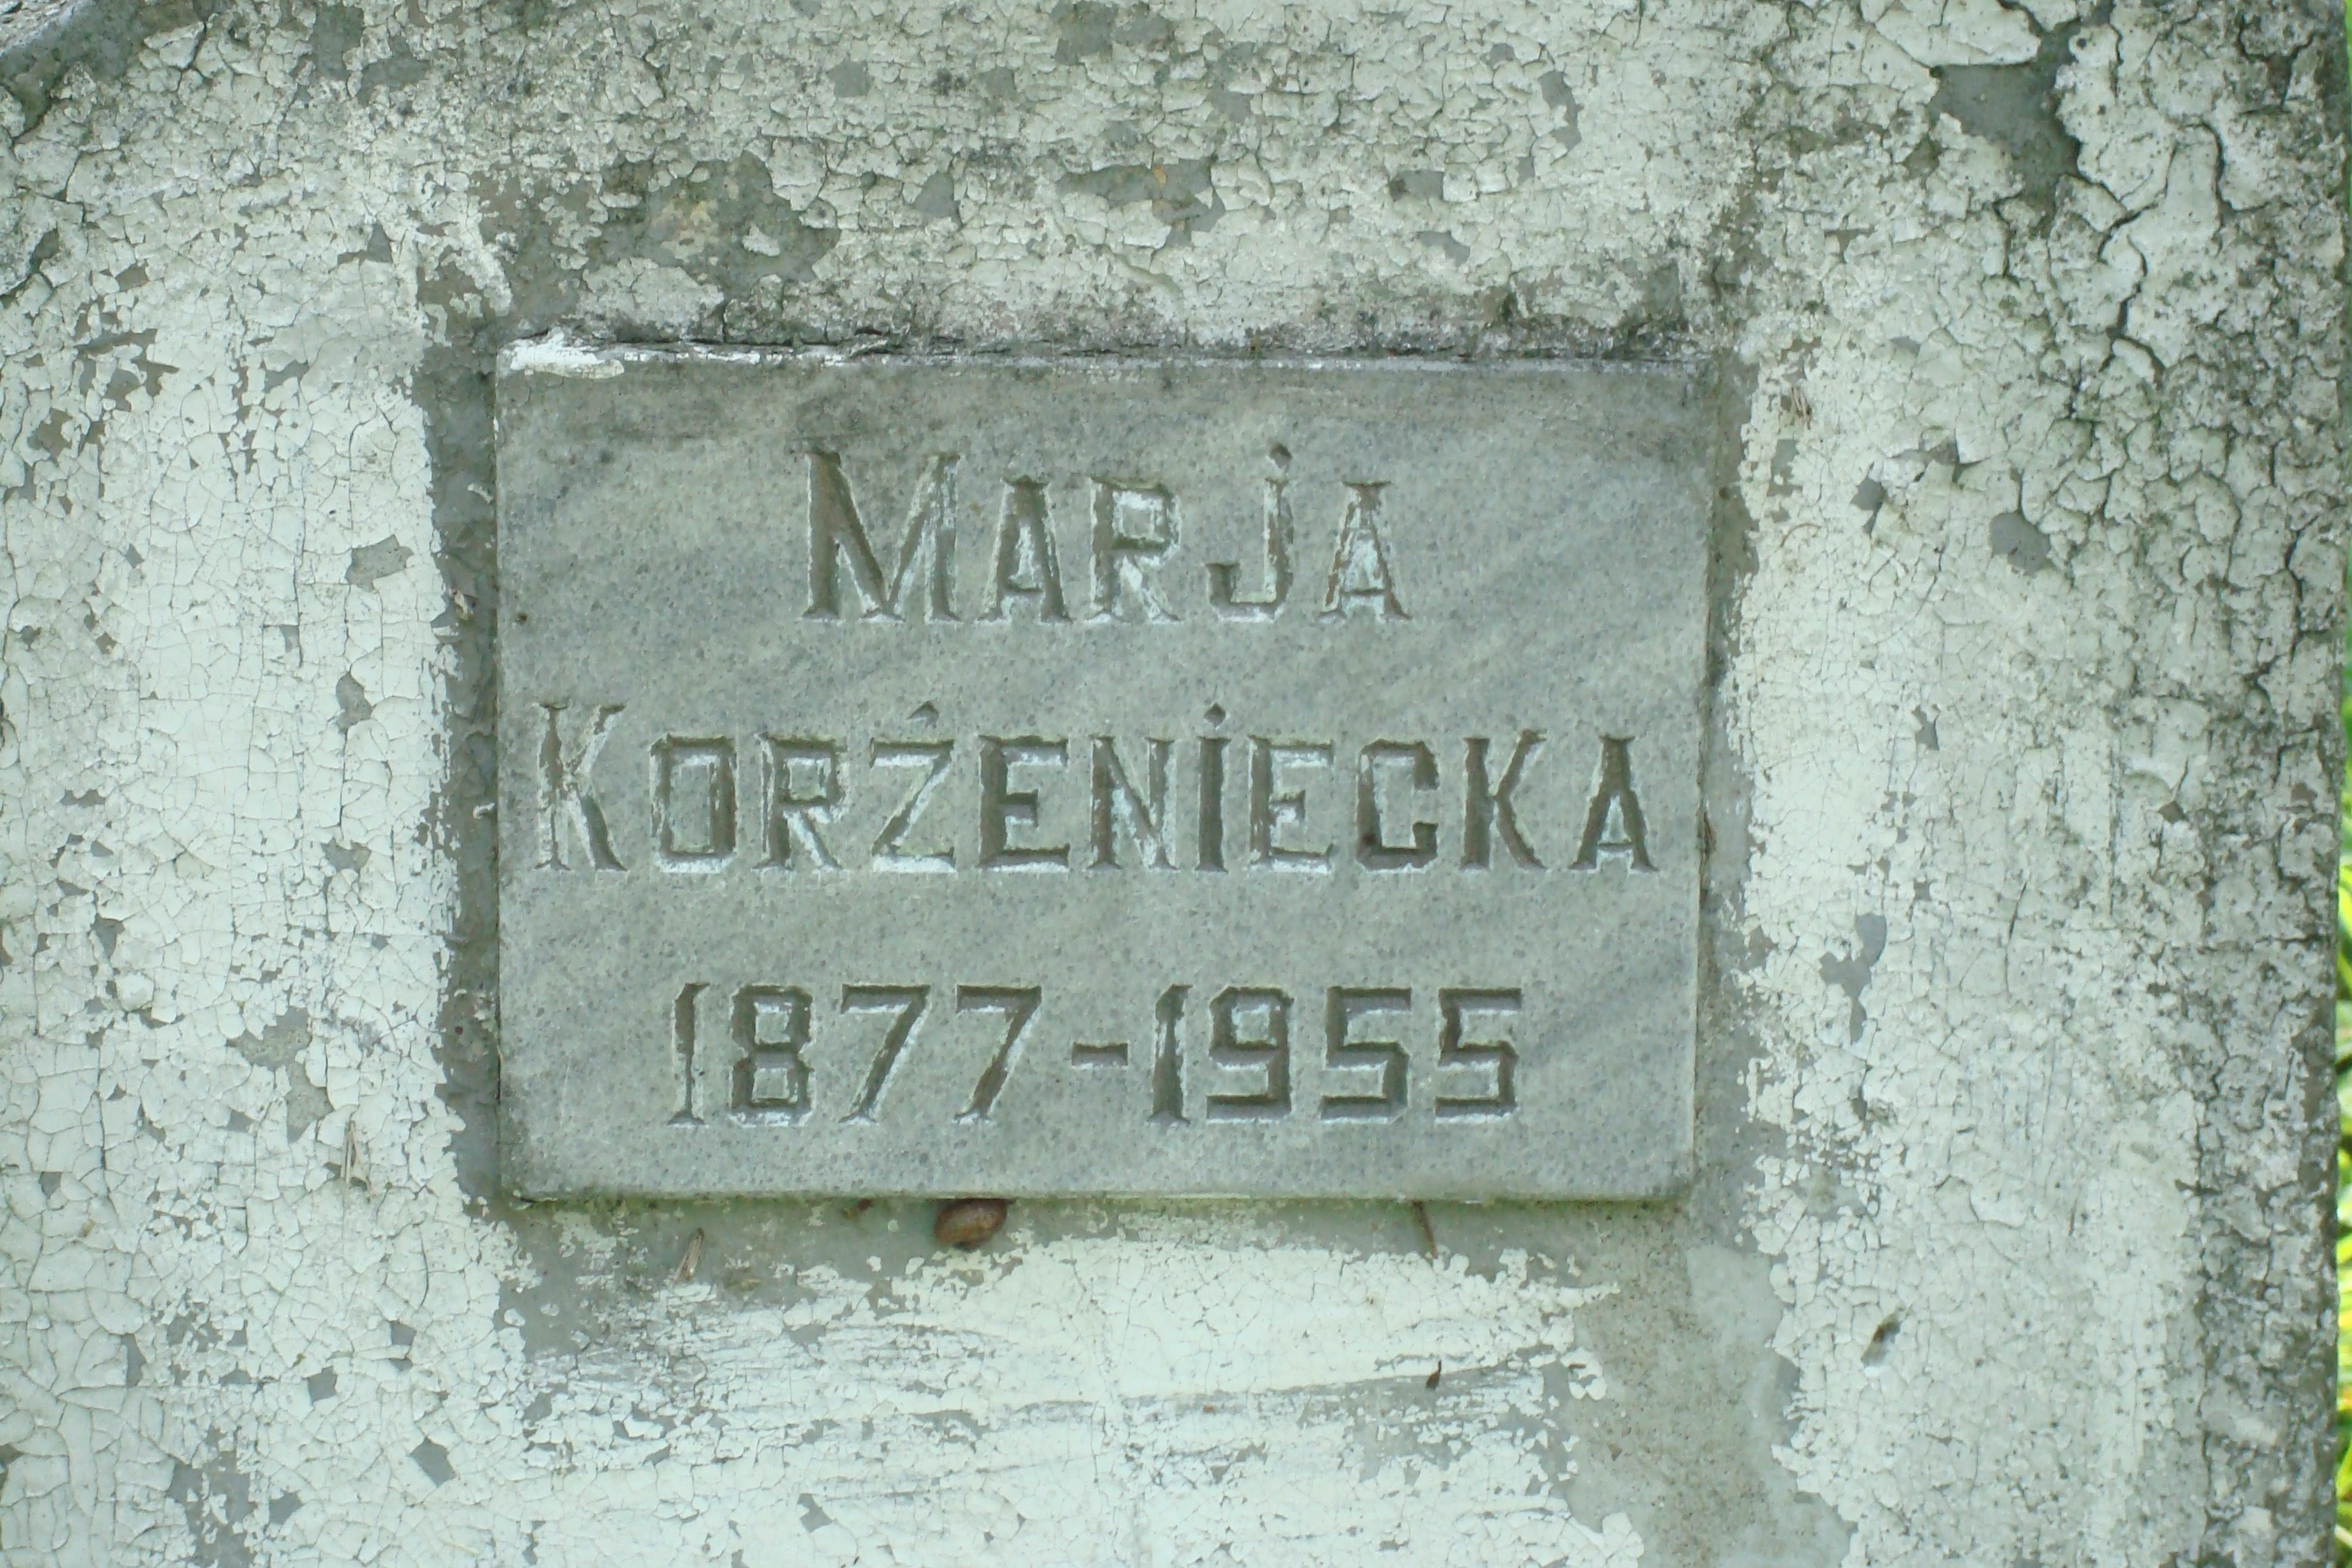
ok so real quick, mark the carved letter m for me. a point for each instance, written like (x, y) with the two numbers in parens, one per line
(836, 532)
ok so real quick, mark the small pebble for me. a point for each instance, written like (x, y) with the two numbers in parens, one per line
(968, 1222)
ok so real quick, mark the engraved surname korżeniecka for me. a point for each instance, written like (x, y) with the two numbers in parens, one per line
(1133, 538)
(1055, 803)
(786, 1067)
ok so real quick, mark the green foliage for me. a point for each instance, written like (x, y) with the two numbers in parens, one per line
(2344, 1175)
(2344, 1146)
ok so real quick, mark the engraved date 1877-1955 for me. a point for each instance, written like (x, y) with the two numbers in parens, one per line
(777, 1072)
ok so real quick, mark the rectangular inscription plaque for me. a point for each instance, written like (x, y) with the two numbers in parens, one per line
(1041, 778)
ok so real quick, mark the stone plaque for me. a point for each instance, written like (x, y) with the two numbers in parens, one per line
(1032, 778)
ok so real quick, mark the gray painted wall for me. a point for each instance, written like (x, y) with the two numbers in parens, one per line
(2008, 1243)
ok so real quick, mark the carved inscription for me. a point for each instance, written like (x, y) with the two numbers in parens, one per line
(782, 1069)
(564, 799)
(1134, 537)
(1012, 803)
(1080, 776)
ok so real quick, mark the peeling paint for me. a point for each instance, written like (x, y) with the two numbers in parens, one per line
(2007, 1245)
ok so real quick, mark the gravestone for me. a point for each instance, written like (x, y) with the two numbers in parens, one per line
(844, 854)
(1595, 746)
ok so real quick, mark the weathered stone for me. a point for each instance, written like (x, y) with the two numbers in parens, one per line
(2006, 1237)
(1166, 777)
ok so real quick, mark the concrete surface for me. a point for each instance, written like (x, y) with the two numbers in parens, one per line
(2005, 1240)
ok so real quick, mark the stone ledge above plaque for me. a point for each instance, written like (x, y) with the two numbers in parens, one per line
(1185, 777)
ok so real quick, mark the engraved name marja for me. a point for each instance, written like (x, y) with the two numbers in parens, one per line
(1134, 530)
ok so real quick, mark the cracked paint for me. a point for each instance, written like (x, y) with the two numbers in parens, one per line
(2007, 1244)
